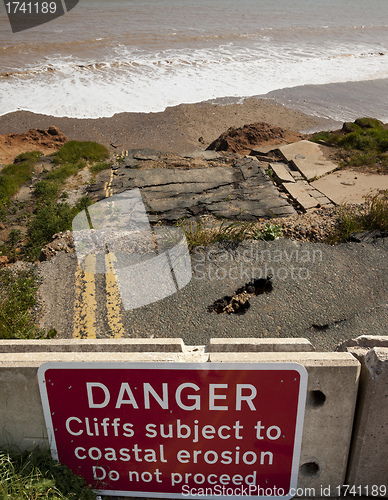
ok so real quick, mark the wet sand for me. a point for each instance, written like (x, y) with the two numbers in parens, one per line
(180, 129)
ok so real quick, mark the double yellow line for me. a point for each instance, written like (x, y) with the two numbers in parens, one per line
(85, 305)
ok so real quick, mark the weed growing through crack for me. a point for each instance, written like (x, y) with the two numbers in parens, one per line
(269, 232)
(201, 234)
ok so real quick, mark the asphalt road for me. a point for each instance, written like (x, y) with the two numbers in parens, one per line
(324, 293)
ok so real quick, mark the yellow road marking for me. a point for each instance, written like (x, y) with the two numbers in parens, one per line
(85, 300)
(113, 299)
(108, 185)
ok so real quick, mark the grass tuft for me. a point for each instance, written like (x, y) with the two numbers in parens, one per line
(34, 476)
(51, 218)
(14, 175)
(73, 151)
(200, 234)
(99, 167)
(372, 215)
(17, 297)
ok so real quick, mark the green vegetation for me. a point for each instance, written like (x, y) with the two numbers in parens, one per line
(372, 215)
(365, 141)
(34, 475)
(270, 232)
(71, 158)
(17, 297)
(74, 151)
(98, 167)
(14, 175)
(200, 234)
(50, 218)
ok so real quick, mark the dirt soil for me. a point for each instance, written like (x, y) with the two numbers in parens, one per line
(243, 139)
(46, 141)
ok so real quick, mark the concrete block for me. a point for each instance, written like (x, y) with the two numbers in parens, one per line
(331, 399)
(22, 423)
(259, 345)
(309, 158)
(365, 342)
(301, 150)
(93, 345)
(21, 415)
(281, 171)
(368, 463)
(298, 190)
(314, 169)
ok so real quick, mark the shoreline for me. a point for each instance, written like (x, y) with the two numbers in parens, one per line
(188, 127)
(338, 102)
(180, 129)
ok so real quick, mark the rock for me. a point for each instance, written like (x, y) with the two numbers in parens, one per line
(60, 242)
(3, 260)
(368, 236)
(54, 131)
(364, 342)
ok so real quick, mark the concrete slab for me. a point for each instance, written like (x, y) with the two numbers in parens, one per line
(331, 400)
(311, 169)
(301, 150)
(281, 171)
(348, 186)
(24, 194)
(308, 158)
(298, 190)
(260, 345)
(92, 345)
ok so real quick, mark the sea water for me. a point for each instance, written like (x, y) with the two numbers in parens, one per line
(107, 57)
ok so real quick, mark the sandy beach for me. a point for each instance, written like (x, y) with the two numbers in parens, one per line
(181, 129)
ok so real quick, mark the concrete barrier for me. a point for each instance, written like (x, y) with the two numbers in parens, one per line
(259, 345)
(368, 462)
(332, 390)
(93, 345)
(331, 400)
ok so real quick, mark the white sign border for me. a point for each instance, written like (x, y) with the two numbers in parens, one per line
(183, 366)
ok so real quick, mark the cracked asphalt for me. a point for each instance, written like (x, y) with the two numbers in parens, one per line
(324, 293)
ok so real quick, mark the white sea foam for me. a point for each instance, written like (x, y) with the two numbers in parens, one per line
(140, 82)
(109, 57)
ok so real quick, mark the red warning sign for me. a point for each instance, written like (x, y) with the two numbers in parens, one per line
(177, 430)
